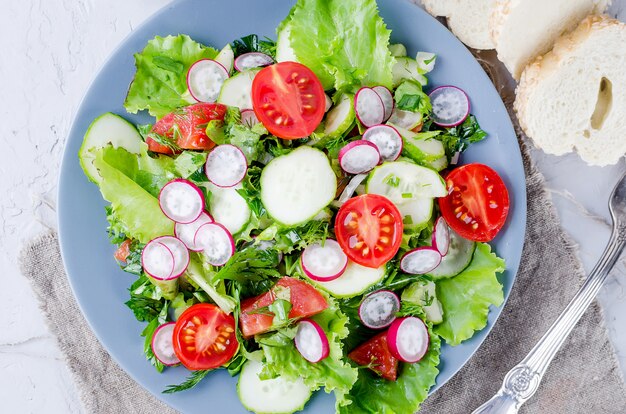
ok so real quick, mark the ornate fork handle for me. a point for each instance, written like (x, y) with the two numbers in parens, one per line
(523, 380)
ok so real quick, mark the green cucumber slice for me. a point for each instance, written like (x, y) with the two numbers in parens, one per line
(226, 58)
(459, 256)
(416, 212)
(237, 90)
(439, 164)
(407, 68)
(400, 181)
(355, 280)
(421, 147)
(424, 293)
(341, 117)
(228, 207)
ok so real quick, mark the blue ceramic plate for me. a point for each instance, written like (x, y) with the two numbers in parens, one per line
(101, 287)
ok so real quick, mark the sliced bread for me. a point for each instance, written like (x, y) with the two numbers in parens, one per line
(467, 19)
(524, 29)
(574, 97)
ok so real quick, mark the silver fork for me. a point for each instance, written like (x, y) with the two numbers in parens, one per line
(522, 381)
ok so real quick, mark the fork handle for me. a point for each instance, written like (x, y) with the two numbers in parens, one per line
(522, 381)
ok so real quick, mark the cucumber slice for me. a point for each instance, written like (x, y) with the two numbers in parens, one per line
(228, 207)
(397, 50)
(425, 61)
(459, 256)
(273, 396)
(355, 280)
(237, 90)
(296, 186)
(421, 147)
(341, 118)
(407, 68)
(405, 119)
(107, 129)
(400, 181)
(226, 58)
(416, 212)
(424, 293)
(284, 51)
(439, 164)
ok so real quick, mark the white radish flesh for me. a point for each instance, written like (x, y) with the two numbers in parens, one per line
(311, 341)
(359, 157)
(249, 118)
(441, 236)
(157, 260)
(421, 260)
(450, 106)
(387, 139)
(387, 98)
(163, 344)
(217, 243)
(205, 79)
(186, 232)
(252, 60)
(324, 263)
(226, 166)
(369, 107)
(378, 310)
(408, 339)
(181, 201)
(180, 253)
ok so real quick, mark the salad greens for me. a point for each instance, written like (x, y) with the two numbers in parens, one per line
(264, 286)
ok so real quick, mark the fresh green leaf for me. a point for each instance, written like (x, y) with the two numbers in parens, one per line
(466, 297)
(459, 138)
(148, 333)
(288, 239)
(251, 43)
(194, 379)
(250, 264)
(410, 97)
(145, 299)
(133, 261)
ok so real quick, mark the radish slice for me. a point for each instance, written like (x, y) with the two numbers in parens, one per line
(180, 253)
(369, 107)
(441, 236)
(451, 106)
(205, 79)
(350, 188)
(421, 260)
(408, 339)
(248, 118)
(186, 232)
(163, 344)
(359, 157)
(387, 98)
(252, 60)
(324, 263)
(311, 341)
(157, 260)
(181, 201)
(378, 310)
(217, 243)
(226, 166)
(387, 139)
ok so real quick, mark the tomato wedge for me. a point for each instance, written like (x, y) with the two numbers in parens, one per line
(186, 127)
(204, 337)
(477, 203)
(376, 355)
(369, 229)
(122, 252)
(305, 301)
(288, 99)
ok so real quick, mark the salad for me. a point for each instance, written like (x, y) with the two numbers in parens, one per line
(295, 214)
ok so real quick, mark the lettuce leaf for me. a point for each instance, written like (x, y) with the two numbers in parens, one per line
(373, 394)
(332, 373)
(161, 79)
(345, 42)
(466, 297)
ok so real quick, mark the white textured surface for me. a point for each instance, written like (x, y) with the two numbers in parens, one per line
(51, 50)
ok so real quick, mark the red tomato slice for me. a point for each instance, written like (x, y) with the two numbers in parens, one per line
(122, 252)
(375, 354)
(187, 127)
(204, 337)
(305, 301)
(369, 229)
(477, 202)
(288, 99)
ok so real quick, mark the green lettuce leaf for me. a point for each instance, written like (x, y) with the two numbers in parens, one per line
(345, 42)
(410, 97)
(160, 83)
(333, 373)
(466, 297)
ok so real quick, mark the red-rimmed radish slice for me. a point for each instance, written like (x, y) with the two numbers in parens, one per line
(351, 188)
(324, 263)
(369, 107)
(216, 242)
(387, 139)
(387, 98)
(205, 79)
(451, 106)
(226, 166)
(252, 60)
(248, 118)
(311, 341)
(186, 232)
(421, 260)
(157, 260)
(181, 201)
(163, 344)
(180, 253)
(408, 339)
(441, 236)
(378, 309)
(358, 157)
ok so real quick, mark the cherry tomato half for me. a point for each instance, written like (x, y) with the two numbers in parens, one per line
(369, 229)
(376, 355)
(477, 202)
(288, 99)
(122, 252)
(204, 337)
